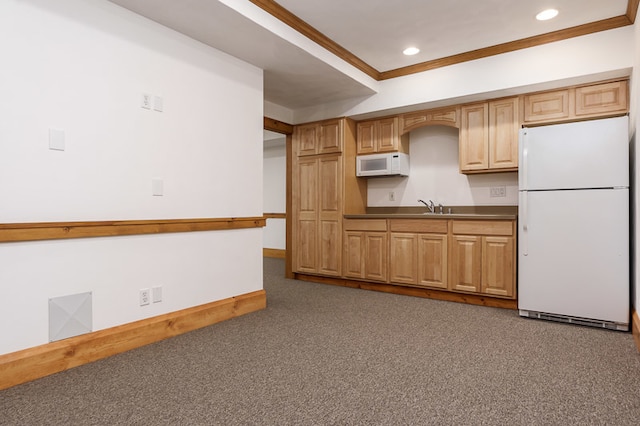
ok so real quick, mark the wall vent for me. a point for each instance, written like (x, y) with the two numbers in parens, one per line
(610, 325)
(70, 316)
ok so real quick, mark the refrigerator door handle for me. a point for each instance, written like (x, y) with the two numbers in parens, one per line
(525, 224)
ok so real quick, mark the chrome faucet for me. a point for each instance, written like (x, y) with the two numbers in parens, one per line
(431, 206)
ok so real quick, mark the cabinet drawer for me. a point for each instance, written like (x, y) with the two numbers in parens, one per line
(365, 225)
(483, 227)
(432, 226)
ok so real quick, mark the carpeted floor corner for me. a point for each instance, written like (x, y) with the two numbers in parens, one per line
(325, 355)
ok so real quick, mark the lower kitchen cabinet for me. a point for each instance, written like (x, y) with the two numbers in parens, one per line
(456, 255)
(365, 249)
(418, 252)
(483, 264)
(498, 266)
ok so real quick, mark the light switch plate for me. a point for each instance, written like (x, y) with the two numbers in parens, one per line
(158, 104)
(56, 139)
(157, 187)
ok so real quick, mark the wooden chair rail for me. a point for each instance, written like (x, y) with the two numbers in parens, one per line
(275, 215)
(14, 232)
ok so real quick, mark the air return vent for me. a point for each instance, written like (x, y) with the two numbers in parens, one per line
(70, 316)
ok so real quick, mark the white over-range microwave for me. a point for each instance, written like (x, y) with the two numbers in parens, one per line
(388, 164)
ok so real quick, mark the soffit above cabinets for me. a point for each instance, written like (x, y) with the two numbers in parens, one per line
(370, 36)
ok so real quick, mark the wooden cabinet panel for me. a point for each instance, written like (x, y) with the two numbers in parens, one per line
(483, 227)
(306, 139)
(330, 185)
(432, 260)
(330, 137)
(365, 224)
(403, 258)
(577, 103)
(354, 261)
(318, 138)
(366, 138)
(432, 226)
(547, 106)
(366, 255)
(474, 137)
(307, 200)
(444, 117)
(388, 135)
(602, 99)
(466, 263)
(330, 249)
(307, 246)
(503, 134)
(381, 135)
(498, 266)
(375, 256)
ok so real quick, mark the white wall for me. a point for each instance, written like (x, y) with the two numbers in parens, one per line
(572, 61)
(275, 192)
(435, 176)
(81, 66)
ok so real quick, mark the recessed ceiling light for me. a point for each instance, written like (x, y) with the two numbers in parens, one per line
(411, 51)
(547, 14)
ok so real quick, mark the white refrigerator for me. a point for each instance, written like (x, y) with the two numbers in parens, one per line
(573, 220)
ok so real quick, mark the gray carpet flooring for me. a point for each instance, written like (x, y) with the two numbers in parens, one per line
(325, 355)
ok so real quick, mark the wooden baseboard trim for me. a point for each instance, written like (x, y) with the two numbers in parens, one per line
(426, 293)
(635, 328)
(276, 253)
(40, 361)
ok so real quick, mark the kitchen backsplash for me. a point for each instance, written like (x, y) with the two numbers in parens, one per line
(435, 176)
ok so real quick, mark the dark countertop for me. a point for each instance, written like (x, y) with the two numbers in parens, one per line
(457, 212)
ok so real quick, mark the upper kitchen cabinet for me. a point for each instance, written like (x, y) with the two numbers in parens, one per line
(325, 137)
(449, 116)
(489, 136)
(602, 99)
(381, 135)
(577, 103)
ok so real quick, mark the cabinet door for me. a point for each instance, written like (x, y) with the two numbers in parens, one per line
(306, 139)
(601, 99)
(375, 256)
(305, 202)
(547, 106)
(366, 137)
(403, 257)
(503, 134)
(330, 214)
(466, 263)
(498, 266)
(353, 260)
(330, 261)
(432, 260)
(330, 140)
(474, 137)
(387, 135)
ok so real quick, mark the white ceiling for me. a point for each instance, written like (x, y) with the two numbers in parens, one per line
(376, 31)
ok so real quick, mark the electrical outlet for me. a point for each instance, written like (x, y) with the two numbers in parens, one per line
(392, 196)
(145, 296)
(145, 101)
(498, 191)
